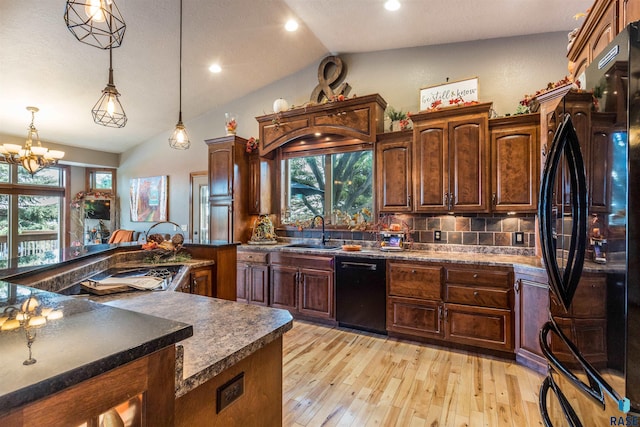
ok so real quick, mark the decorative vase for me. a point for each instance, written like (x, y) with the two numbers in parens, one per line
(280, 105)
(230, 123)
(395, 125)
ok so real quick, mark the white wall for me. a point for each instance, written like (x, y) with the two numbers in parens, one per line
(507, 69)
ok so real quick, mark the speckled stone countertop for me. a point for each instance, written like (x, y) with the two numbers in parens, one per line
(88, 340)
(224, 332)
(450, 254)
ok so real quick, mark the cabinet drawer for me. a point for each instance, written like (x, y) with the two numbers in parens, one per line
(499, 278)
(414, 317)
(259, 257)
(414, 280)
(303, 261)
(486, 297)
(479, 326)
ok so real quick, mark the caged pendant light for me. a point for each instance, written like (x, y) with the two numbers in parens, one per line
(108, 110)
(179, 140)
(97, 23)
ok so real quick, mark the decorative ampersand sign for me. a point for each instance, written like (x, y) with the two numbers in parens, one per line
(331, 72)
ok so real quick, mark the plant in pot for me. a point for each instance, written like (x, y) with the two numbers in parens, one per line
(399, 119)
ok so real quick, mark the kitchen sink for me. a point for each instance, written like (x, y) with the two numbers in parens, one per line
(313, 246)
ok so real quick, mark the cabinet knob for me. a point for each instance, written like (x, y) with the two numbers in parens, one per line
(517, 285)
(475, 276)
(476, 293)
(413, 272)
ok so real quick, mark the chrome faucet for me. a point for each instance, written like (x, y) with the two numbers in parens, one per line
(313, 223)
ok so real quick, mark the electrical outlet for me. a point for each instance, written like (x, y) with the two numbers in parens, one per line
(437, 236)
(518, 238)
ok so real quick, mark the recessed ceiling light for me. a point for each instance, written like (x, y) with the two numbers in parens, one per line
(392, 5)
(215, 68)
(291, 25)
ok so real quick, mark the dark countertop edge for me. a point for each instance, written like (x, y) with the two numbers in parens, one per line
(67, 256)
(199, 378)
(45, 388)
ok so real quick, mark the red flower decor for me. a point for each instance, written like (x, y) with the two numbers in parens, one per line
(550, 86)
(252, 144)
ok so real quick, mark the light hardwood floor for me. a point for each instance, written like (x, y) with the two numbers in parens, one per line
(340, 377)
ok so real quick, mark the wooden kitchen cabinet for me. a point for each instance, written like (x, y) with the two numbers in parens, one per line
(478, 308)
(303, 284)
(450, 159)
(531, 313)
(393, 172)
(470, 305)
(260, 185)
(253, 278)
(586, 321)
(515, 163)
(200, 282)
(228, 189)
(414, 299)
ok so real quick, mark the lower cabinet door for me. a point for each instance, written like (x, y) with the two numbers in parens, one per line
(258, 285)
(414, 317)
(316, 293)
(479, 326)
(241, 282)
(202, 282)
(284, 285)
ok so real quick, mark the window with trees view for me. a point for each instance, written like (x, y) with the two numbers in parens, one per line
(31, 214)
(331, 185)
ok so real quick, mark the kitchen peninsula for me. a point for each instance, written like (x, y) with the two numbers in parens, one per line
(229, 369)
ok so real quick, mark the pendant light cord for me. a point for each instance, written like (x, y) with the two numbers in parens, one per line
(180, 89)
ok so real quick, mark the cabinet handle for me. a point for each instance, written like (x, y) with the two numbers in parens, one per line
(446, 314)
(409, 200)
(452, 201)
(475, 276)
(440, 312)
(517, 285)
(476, 293)
(446, 199)
(493, 199)
(413, 272)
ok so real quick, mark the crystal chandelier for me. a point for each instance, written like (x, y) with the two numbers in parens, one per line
(97, 23)
(33, 156)
(180, 139)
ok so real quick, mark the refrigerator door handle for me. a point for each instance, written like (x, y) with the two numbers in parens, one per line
(565, 141)
(597, 385)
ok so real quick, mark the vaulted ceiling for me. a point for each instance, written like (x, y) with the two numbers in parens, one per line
(42, 64)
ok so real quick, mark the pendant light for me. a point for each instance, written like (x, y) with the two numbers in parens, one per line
(180, 139)
(95, 22)
(33, 156)
(108, 110)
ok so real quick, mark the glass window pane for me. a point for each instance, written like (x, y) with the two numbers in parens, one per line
(306, 187)
(38, 228)
(4, 172)
(48, 176)
(352, 189)
(4, 229)
(102, 180)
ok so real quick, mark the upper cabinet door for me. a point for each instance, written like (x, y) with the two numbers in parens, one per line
(221, 170)
(468, 164)
(431, 167)
(515, 175)
(393, 173)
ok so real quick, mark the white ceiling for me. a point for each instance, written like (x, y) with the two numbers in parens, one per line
(42, 64)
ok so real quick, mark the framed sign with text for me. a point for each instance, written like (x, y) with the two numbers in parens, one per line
(449, 93)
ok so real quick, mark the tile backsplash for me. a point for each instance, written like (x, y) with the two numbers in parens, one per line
(470, 230)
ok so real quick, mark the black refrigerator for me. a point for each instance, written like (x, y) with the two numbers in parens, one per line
(577, 237)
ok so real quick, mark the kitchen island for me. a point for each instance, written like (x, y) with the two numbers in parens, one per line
(229, 371)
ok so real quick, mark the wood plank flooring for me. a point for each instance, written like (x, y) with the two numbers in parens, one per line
(340, 377)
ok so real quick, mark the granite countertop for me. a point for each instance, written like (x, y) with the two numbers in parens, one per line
(489, 256)
(88, 340)
(224, 332)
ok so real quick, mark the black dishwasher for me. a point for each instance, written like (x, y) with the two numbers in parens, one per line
(361, 293)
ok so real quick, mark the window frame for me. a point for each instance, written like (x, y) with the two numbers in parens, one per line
(15, 189)
(90, 180)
